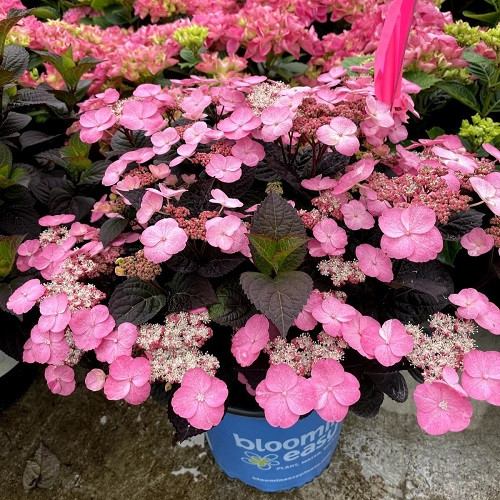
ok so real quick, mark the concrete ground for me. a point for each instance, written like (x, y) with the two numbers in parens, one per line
(111, 450)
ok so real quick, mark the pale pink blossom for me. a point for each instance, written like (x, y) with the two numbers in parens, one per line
(239, 124)
(490, 319)
(340, 133)
(225, 168)
(332, 238)
(410, 233)
(95, 379)
(27, 252)
(284, 396)
(163, 141)
(90, 326)
(60, 379)
(333, 76)
(332, 314)
(319, 183)
(352, 331)
(276, 121)
(248, 152)
(153, 93)
(128, 379)
(492, 150)
(144, 115)
(55, 313)
(454, 161)
(26, 296)
(162, 240)
(389, 343)
(119, 342)
(200, 399)
(481, 375)
(488, 189)
(250, 340)
(441, 408)
(374, 262)
(379, 112)
(94, 123)
(195, 104)
(356, 173)
(226, 233)
(150, 204)
(199, 132)
(166, 192)
(356, 216)
(48, 347)
(221, 198)
(470, 302)
(335, 389)
(477, 242)
(49, 260)
(160, 171)
(305, 320)
(56, 220)
(109, 96)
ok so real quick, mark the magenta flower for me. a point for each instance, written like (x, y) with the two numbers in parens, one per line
(26, 296)
(141, 116)
(95, 379)
(481, 376)
(239, 124)
(49, 260)
(56, 220)
(441, 408)
(60, 379)
(305, 320)
(48, 347)
(128, 379)
(248, 152)
(374, 262)
(226, 233)
(470, 302)
(55, 313)
(332, 313)
(477, 242)
(90, 326)
(117, 343)
(389, 343)
(94, 123)
(163, 240)
(276, 122)
(284, 396)
(488, 189)
(340, 133)
(352, 331)
(410, 233)
(163, 141)
(250, 340)
(335, 389)
(225, 168)
(331, 237)
(221, 198)
(200, 399)
(356, 216)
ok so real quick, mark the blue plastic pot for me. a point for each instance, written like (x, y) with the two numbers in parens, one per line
(269, 458)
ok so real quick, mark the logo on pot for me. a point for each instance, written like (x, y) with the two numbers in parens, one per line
(263, 463)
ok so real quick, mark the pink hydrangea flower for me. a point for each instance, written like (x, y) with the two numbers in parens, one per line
(305, 320)
(141, 116)
(26, 296)
(195, 104)
(200, 399)
(441, 408)
(225, 168)
(27, 252)
(488, 189)
(94, 123)
(60, 379)
(117, 343)
(379, 112)
(356, 173)
(319, 183)
(221, 198)
(388, 343)
(374, 262)
(340, 133)
(410, 233)
(248, 152)
(55, 313)
(481, 376)
(332, 238)
(332, 313)
(95, 379)
(276, 121)
(226, 233)
(90, 326)
(160, 171)
(492, 150)
(477, 242)
(470, 302)
(162, 240)
(163, 141)
(48, 261)
(150, 204)
(490, 319)
(239, 124)
(48, 347)
(352, 331)
(284, 396)
(56, 220)
(335, 389)
(250, 340)
(128, 379)
(356, 216)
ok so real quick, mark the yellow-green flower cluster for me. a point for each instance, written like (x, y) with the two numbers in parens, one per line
(480, 130)
(467, 35)
(191, 37)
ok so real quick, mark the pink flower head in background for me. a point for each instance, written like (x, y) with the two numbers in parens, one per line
(226, 233)
(248, 152)
(488, 189)
(56, 220)
(90, 326)
(441, 408)
(119, 342)
(332, 313)
(128, 379)
(55, 313)
(48, 347)
(340, 133)
(95, 379)
(26, 296)
(94, 123)
(162, 240)
(481, 375)
(250, 340)
(331, 237)
(225, 168)
(374, 262)
(335, 389)
(470, 302)
(388, 343)
(284, 396)
(60, 379)
(356, 216)
(221, 198)
(277, 121)
(200, 399)
(410, 233)
(477, 242)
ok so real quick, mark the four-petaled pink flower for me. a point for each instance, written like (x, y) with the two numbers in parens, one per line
(374, 262)
(239, 124)
(441, 408)
(340, 133)
(128, 379)
(355, 173)
(60, 379)
(276, 122)
(90, 326)
(27, 252)
(352, 331)
(141, 116)
(200, 399)
(331, 237)
(410, 233)
(470, 302)
(250, 340)
(221, 198)
(379, 112)
(334, 388)
(248, 152)
(284, 396)
(163, 141)
(481, 376)
(55, 313)
(226, 233)
(477, 242)
(356, 216)
(332, 313)
(95, 379)
(388, 343)
(47, 347)
(488, 189)
(56, 220)
(26, 296)
(94, 123)
(319, 183)
(117, 343)
(163, 240)
(225, 168)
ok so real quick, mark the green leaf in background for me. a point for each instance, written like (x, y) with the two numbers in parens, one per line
(354, 61)
(465, 94)
(94, 174)
(45, 12)
(233, 308)
(77, 152)
(5, 156)
(480, 66)
(449, 252)
(421, 78)
(13, 17)
(290, 253)
(8, 249)
(490, 18)
(435, 132)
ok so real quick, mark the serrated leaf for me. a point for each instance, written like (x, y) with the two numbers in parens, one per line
(421, 78)
(216, 264)
(480, 66)
(111, 229)
(449, 252)
(121, 144)
(14, 123)
(135, 301)
(392, 383)
(280, 299)
(263, 248)
(13, 17)
(290, 253)
(32, 97)
(5, 156)
(461, 223)
(8, 249)
(233, 308)
(465, 94)
(6, 77)
(42, 471)
(15, 60)
(92, 176)
(189, 291)
(188, 55)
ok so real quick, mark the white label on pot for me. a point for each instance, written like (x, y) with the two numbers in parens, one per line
(6, 363)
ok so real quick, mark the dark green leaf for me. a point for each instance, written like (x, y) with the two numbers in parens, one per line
(263, 248)
(93, 175)
(461, 223)
(33, 97)
(423, 79)
(6, 77)
(370, 401)
(13, 17)
(480, 66)
(466, 95)
(216, 264)
(32, 138)
(490, 18)
(19, 219)
(449, 252)
(121, 144)
(188, 56)
(45, 12)
(435, 132)
(14, 123)
(233, 308)
(15, 59)
(5, 155)
(8, 249)
(290, 253)
(189, 291)
(111, 229)
(392, 383)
